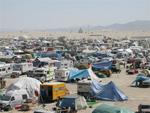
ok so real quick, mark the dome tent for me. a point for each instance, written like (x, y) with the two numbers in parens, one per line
(29, 84)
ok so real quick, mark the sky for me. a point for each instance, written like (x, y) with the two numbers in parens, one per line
(49, 14)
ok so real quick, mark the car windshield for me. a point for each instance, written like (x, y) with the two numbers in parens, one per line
(4, 97)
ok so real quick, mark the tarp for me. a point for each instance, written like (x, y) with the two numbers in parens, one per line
(107, 92)
(104, 108)
(47, 54)
(106, 65)
(29, 84)
(85, 73)
(78, 74)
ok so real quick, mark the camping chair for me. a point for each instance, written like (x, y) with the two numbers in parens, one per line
(143, 108)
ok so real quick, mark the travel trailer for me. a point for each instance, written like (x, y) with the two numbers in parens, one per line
(44, 73)
(22, 68)
(62, 74)
(5, 70)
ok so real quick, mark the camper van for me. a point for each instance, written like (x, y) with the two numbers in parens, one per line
(12, 99)
(62, 74)
(22, 68)
(5, 70)
(44, 73)
(52, 91)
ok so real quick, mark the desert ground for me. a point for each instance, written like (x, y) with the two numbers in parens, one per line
(123, 81)
(75, 35)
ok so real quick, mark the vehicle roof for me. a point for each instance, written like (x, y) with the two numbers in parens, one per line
(52, 83)
(73, 96)
(2, 65)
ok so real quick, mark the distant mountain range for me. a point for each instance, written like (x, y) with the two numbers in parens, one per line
(134, 25)
(142, 25)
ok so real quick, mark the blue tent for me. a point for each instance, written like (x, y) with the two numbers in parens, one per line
(106, 65)
(74, 74)
(107, 92)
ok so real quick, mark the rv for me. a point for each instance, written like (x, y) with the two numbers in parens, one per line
(52, 91)
(62, 74)
(44, 73)
(5, 70)
(22, 68)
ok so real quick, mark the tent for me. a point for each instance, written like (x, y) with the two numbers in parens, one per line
(107, 92)
(26, 83)
(79, 74)
(104, 108)
(106, 65)
(73, 101)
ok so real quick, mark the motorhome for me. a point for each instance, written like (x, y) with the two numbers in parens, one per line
(44, 73)
(5, 70)
(22, 68)
(62, 74)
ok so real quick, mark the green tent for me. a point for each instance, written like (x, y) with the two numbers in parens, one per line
(110, 109)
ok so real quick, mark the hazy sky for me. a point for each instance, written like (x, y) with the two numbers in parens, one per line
(43, 14)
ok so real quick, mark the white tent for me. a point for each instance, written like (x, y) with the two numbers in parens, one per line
(27, 83)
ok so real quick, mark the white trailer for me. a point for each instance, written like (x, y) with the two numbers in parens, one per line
(22, 68)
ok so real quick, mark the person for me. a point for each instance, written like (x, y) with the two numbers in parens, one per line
(43, 94)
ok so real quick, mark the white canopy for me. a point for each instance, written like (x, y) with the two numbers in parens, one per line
(27, 83)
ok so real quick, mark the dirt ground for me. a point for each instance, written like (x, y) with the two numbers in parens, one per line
(123, 81)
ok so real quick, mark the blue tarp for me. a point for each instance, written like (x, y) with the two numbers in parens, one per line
(78, 74)
(106, 65)
(48, 54)
(107, 92)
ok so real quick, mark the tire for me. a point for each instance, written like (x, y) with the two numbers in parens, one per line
(7, 108)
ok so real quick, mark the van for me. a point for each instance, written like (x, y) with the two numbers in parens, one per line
(52, 91)
(13, 98)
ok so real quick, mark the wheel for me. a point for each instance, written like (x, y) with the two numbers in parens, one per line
(7, 108)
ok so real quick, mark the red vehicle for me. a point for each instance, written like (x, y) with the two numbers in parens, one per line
(132, 71)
